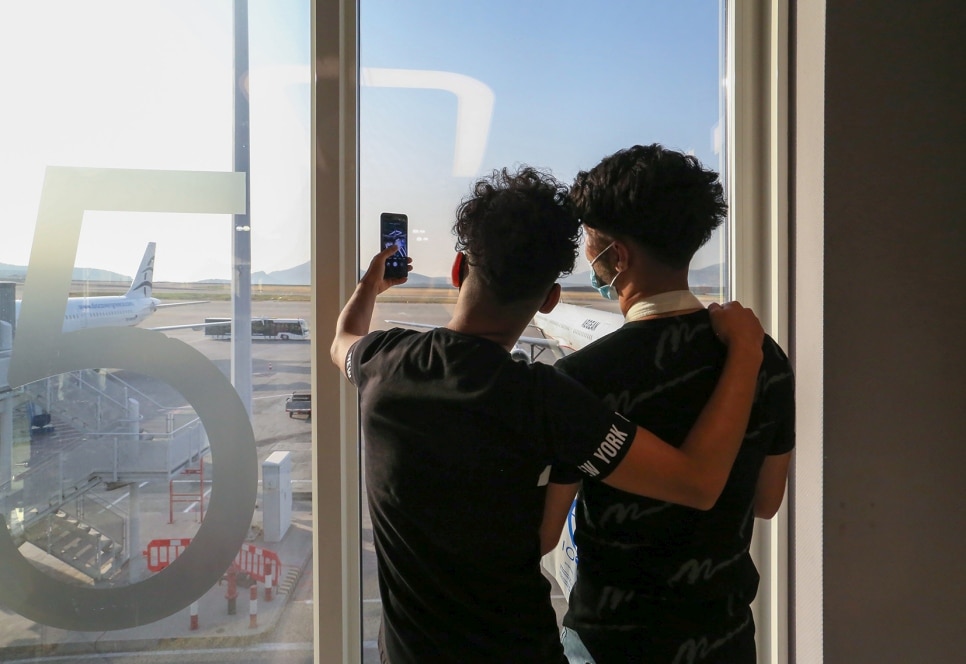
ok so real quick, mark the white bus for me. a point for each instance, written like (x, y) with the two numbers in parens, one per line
(262, 328)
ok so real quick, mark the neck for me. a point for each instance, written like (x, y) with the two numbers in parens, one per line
(480, 316)
(671, 303)
(642, 287)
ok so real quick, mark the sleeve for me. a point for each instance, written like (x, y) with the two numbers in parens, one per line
(361, 353)
(779, 397)
(588, 439)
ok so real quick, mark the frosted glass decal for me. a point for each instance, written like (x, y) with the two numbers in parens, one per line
(42, 349)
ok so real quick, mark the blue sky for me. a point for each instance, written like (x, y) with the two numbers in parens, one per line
(572, 82)
(112, 83)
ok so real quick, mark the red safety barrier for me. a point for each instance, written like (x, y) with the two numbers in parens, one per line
(162, 552)
(263, 565)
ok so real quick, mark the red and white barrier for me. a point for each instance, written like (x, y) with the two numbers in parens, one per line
(271, 580)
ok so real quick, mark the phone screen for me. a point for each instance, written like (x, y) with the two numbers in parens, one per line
(394, 229)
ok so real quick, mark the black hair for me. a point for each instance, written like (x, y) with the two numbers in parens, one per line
(663, 199)
(519, 231)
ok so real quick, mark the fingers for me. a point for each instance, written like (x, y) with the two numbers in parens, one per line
(735, 323)
(375, 274)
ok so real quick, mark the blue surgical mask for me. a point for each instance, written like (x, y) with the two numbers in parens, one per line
(607, 291)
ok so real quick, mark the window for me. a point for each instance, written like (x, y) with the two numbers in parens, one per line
(133, 102)
(448, 93)
(151, 479)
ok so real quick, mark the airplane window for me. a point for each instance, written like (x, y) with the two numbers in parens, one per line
(154, 488)
(450, 92)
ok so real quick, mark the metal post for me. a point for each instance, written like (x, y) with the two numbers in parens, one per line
(253, 605)
(136, 562)
(232, 593)
(269, 581)
(6, 449)
(241, 277)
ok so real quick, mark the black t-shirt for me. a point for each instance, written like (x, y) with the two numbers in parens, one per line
(459, 443)
(640, 559)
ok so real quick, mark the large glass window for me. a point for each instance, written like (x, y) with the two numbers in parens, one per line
(160, 458)
(155, 470)
(451, 91)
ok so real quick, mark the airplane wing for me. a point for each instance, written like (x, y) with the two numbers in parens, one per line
(161, 305)
(544, 344)
(186, 326)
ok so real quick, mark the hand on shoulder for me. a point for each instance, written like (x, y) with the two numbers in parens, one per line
(736, 325)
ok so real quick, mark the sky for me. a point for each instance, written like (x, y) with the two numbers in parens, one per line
(148, 84)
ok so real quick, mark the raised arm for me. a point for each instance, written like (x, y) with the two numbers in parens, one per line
(695, 474)
(356, 316)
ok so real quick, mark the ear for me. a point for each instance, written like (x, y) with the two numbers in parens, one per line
(458, 272)
(623, 254)
(553, 297)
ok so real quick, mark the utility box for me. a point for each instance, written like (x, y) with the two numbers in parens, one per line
(276, 495)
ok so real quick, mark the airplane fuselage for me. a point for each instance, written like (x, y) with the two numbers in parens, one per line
(574, 327)
(105, 311)
(111, 310)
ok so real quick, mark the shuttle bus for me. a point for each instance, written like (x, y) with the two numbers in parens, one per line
(262, 328)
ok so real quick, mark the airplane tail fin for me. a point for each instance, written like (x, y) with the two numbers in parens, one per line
(141, 285)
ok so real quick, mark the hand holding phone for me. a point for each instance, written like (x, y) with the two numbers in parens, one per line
(394, 229)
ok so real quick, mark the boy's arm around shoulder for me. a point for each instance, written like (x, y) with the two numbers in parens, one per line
(695, 474)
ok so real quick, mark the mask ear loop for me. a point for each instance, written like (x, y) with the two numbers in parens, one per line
(459, 270)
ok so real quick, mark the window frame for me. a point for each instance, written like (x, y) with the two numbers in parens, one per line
(757, 149)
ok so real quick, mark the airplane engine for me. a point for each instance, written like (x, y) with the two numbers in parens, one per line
(519, 353)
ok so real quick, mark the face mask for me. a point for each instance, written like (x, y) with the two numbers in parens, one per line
(607, 291)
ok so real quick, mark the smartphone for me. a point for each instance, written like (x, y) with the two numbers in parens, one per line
(394, 229)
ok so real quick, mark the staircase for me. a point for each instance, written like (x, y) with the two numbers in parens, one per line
(95, 432)
(77, 544)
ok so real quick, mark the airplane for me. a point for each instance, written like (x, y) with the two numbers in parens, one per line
(568, 327)
(572, 327)
(120, 310)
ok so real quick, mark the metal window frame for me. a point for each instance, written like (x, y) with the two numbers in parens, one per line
(757, 120)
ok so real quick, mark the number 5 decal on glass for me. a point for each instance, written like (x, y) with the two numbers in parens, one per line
(42, 349)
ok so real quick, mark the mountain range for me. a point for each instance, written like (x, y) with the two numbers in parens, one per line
(706, 277)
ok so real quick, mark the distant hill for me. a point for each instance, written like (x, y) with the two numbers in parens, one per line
(709, 276)
(19, 273)
(300, 275)
(706, 277)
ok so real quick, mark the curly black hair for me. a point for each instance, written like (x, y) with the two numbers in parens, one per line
(659, 197)
(519, 231)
